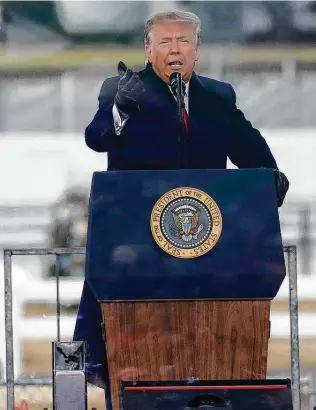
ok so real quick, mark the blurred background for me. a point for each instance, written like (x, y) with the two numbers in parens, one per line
(54, 56)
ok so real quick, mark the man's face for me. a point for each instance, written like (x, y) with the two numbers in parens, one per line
(172, 48)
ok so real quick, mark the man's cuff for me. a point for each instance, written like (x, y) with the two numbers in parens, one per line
(119, 122)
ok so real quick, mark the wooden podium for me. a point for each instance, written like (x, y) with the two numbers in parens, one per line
(168, 316)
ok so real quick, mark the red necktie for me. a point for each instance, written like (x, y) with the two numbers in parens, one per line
(185, 119)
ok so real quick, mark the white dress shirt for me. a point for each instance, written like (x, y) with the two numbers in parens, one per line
(119, 122)
(186, 96)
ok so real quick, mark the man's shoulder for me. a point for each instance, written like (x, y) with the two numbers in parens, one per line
(220, 88)
(109, 84)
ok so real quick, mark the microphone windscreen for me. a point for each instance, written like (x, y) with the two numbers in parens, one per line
(174, 80)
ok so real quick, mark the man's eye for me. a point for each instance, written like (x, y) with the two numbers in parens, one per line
(183, 40)
(163, 42)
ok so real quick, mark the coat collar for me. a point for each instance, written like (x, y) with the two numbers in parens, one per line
(197, 95)
(157, 86)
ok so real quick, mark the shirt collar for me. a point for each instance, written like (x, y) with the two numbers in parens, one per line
(187, 88)
(187, 84)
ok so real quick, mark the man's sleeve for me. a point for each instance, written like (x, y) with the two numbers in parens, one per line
(119, 122)
(248, 148)
(100, 134)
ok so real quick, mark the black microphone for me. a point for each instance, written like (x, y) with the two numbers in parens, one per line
(177, 86)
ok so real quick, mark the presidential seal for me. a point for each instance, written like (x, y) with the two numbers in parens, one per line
(186, 222)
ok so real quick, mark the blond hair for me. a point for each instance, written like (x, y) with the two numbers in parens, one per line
(175, 17)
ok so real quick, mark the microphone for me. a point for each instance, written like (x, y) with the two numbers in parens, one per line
(177, 85)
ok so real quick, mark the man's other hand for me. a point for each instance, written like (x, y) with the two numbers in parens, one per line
(282, 186)
(130, 88)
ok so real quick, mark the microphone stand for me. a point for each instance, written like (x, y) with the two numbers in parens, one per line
(180, 103)
(178, 89)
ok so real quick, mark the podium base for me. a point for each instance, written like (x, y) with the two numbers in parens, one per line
(225, 394)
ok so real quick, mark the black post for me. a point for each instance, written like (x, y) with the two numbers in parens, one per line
(69, 382)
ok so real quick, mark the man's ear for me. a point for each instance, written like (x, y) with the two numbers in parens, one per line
(148, 53)
(197, 54)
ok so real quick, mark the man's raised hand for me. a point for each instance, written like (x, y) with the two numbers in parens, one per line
(130, 88)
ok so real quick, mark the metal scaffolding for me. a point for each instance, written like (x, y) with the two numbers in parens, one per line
(8, 253)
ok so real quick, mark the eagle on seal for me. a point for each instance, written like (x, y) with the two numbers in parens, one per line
(186, 219)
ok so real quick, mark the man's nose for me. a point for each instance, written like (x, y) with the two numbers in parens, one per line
(174, 46)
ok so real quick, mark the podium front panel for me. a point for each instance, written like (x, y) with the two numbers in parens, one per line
(124, 262)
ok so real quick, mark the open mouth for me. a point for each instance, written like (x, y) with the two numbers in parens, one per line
(175, 64)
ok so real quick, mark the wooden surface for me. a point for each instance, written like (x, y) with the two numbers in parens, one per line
(37, 356)
(178, 340)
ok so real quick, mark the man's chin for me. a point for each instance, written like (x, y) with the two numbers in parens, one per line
(175, 70)
(182, 72)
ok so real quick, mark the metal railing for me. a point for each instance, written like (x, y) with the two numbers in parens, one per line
(8, 253)
(67, 102)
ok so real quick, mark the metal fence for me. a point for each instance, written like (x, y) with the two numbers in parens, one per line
(290, 251)
(66, 101)
(8, 253)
